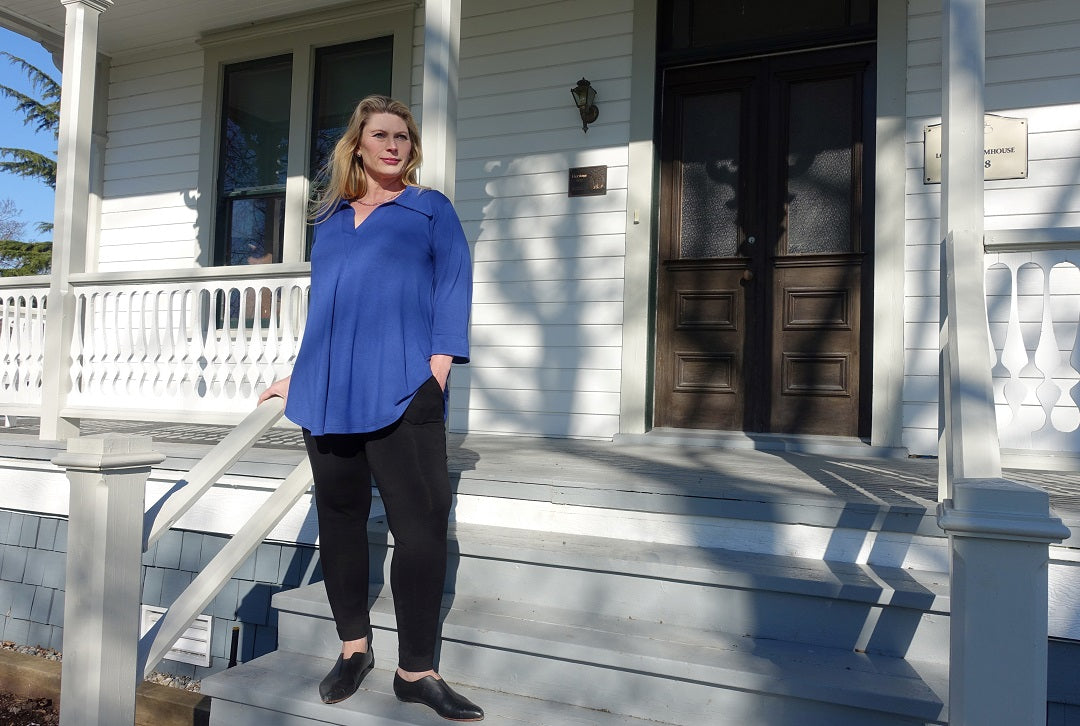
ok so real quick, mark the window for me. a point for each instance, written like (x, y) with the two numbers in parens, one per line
(344, 74)
(253, 161)
(282, 100)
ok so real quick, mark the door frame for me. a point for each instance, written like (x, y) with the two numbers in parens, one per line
(754, 363)
(642, 222)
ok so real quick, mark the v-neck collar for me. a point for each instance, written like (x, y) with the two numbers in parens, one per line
(405, 199)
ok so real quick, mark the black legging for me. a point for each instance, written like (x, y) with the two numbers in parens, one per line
(408, 462)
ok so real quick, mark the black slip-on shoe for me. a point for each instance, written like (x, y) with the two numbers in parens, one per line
(437, 695)
(346, 676)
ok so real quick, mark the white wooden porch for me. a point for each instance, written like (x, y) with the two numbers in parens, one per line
(772, 469)
(822, 481)
(776, 560)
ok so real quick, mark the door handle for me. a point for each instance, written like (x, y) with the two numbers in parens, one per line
(751, 240)
(747, 275)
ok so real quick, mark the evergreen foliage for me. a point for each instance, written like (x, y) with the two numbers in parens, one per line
(24, 258)
(43, 114)
(19, 258)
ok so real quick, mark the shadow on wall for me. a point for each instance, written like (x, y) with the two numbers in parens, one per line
(548, 273)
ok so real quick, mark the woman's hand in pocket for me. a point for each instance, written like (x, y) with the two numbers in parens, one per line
(440, 368)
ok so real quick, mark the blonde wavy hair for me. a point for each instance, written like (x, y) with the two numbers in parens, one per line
(343, 176)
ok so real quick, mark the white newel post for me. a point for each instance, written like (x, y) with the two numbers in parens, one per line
(71, 222)
(442, 39)
(103, 578)
(999, 531)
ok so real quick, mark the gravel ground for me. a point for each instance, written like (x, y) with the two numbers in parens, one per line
(18, 711)
(164, 679)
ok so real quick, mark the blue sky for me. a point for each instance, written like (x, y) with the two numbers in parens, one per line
(34, 198)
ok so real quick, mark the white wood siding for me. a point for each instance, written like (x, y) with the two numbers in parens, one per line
(148, 215)
(547, 329)
(547, 316)
(1033, 72)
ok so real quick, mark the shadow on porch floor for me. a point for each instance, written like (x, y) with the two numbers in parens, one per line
(707, 474)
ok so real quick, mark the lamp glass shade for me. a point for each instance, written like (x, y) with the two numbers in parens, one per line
(584, 94)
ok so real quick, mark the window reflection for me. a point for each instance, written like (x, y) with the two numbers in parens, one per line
(254, 160)
(344, 74)
(254, 139)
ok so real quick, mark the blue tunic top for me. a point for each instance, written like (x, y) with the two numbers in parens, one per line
(385, 297)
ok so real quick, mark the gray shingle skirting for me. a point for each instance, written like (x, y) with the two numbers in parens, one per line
(32, 573)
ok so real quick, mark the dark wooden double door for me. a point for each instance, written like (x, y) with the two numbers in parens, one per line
(764, 244)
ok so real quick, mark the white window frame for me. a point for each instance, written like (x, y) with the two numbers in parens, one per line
(298, 36)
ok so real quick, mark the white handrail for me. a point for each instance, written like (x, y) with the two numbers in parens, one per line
(209, 469)
(207, 584)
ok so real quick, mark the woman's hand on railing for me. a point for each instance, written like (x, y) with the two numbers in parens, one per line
(279, 389)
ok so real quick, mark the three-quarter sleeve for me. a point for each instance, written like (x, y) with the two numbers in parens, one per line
(452, 285)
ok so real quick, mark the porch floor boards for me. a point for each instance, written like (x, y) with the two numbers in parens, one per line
(702, 473)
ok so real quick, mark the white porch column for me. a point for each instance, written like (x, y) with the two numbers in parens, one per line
(442, 39)
(999, 531)
(969, 441)
(71, 230)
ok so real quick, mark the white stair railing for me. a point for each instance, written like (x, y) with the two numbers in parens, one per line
(104, 655)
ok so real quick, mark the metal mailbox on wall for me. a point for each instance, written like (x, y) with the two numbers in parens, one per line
(1005, 149)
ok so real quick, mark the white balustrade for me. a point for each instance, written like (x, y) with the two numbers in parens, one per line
(22, 346)
(207, 344)
(1033, 306)
(202, 344)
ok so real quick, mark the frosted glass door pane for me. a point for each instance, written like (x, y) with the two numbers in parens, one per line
(709, 210)
(820, 189)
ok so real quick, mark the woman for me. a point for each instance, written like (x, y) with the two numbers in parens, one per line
(391, 288)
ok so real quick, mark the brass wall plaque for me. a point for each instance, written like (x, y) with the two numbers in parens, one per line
(1005, 149)
(587, 181)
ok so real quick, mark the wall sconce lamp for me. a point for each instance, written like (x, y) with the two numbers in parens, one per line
(585, 100)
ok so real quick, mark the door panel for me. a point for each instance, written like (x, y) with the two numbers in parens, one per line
(817, 271)
(816, 363)
(760, 271)
(701, 285)
(707, 333)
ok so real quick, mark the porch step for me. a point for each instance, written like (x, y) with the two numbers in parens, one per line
(536, 669)
(643, 669)
(630, 630)
(890, 611)
(281, 689)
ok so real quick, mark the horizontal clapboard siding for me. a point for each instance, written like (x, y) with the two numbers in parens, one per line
(148, 215)
(547, 317)
(1033, 72)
